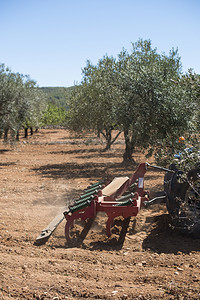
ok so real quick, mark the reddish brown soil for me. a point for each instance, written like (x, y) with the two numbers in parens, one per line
(41, 175)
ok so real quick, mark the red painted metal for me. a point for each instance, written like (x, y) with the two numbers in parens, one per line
(107, 204)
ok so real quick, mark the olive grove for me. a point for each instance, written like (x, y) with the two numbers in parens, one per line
(136, 94)
(21, 103)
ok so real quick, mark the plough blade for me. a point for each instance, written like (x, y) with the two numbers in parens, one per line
(47, 232)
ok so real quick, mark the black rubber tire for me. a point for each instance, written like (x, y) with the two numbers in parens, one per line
(183, 201)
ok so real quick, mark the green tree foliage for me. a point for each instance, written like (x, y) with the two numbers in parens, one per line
(92, 105)
(153, 109)
(54, 115)
(57, 95)
(136, 93)
(189, 87)
(191, 83)
(21, 103)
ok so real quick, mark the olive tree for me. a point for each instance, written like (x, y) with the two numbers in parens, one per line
(33, 105)
(92, 105)
(8, 99)
(191, 83)
(137, 94)
(152, 109)
(21, 103)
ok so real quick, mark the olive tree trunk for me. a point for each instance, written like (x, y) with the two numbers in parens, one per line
(129, 146)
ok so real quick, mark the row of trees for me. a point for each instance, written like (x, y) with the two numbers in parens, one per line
(24, 105)
(142, 94)
(54, 115)
(21, 103)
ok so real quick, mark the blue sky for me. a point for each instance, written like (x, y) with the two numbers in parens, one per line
(50, 40)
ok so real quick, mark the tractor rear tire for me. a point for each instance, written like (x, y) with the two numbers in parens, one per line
(183, 200)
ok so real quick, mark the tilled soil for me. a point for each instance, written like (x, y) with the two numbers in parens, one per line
(44, 173)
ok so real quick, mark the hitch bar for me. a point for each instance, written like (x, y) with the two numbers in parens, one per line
(156, 200)
(160, 168)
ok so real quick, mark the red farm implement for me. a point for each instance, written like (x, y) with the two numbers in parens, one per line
(124, 196)
(115, 198)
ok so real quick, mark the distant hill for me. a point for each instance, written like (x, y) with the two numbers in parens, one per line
(57, 95)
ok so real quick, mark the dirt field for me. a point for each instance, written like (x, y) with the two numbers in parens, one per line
(38, 178)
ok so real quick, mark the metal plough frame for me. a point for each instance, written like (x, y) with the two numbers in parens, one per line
(114, 199)
(123, 196)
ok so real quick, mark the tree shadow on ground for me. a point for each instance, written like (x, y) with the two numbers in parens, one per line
(79, 137)
(4, 150)
(92, 153)
(75, 151)
(7, 164)
(162, 239)
(73, 170)
(46, 132)
(100, 154)
(86, 170)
